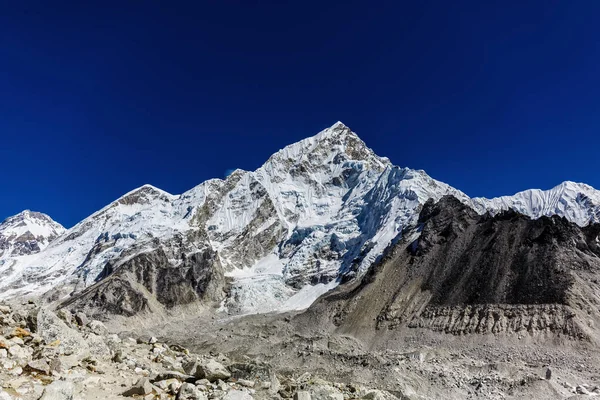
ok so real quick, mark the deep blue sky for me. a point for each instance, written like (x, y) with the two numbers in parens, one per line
(97, 99)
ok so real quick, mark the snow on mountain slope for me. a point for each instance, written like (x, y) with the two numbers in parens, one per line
(318, 212)
(27, 233)
(578, 202)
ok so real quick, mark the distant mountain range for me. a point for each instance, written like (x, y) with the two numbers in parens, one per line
(319, 212)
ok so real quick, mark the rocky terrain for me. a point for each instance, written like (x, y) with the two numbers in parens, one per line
(53, 356)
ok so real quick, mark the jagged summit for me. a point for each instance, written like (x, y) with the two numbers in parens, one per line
(27, 233)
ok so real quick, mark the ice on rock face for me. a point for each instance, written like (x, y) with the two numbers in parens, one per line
(317, 212)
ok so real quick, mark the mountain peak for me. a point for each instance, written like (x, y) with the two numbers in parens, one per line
(27, 232)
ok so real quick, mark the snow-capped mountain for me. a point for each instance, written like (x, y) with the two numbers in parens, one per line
(28, 232)
(578, 202)
(318, 212)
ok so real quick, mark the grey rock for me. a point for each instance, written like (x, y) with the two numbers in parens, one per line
(172, 375)
(246, 383)
(98, 328)
(237, 395)
(97, 346)
(40, 366)
(81, 319)
(142, 387)
(65, 315)
(207, 369)
(4, 395)
(302, 395)
(58, 390)
(213, 370)
(581, 390)
(54, 330)
(188, 391)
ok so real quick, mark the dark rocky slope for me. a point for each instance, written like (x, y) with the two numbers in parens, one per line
(151, 282)
(468, 273)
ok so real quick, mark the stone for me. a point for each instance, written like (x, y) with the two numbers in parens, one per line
(164, 384)
(581, 390)
(246, 383)
(97, 347)
(65, 315)
(212, 370)
(302, 395)
(19, 332)
(377, 395)
(188, 391)
(4, 395)
(81, 319)
(98, 328)
(5, 309)
(17, 340)
(118, 356)
(174, 387)
(142, 387)
(55, 331)
(39, 366)
(3, 353)
(58, 390)
(237, 395)
(172, 375)
(20, 352)
(153, 340)
(56, 366)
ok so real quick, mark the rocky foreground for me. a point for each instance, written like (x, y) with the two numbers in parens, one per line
(61, 356)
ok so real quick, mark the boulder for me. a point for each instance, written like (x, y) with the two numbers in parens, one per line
(81, 319)
(245, 382)
(188, 391)
(98, 328)
(237, 395)
(165, 375)
(378, 395)
(19, 332)
(65, 315)
(207, 369)
(58, 390)
(55, 332)
(39, 366)
(141, 388)
(97, 347)
(302, 395)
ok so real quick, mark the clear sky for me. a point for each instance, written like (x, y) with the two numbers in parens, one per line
(97, 98)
